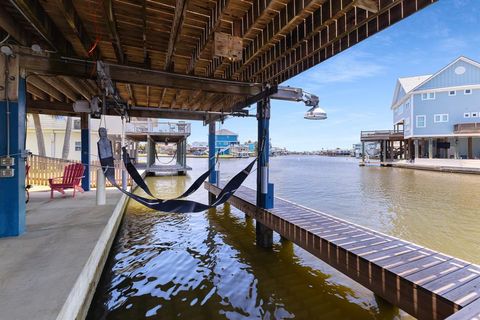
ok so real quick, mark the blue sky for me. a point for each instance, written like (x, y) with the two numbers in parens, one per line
(356, 86)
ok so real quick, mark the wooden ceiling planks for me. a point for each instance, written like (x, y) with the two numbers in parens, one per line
(281, 38)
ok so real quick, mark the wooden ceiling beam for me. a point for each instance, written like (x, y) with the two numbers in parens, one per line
(78, 85)
(37, 92)
(58, 84)
(63, 108)
(133, 75)
(111, 24)
(216, 14)
(33, 12)
(243, 26)
(131, 94)
(162, 96)
(73, 19)
(178, 17)
(332, 17)
(367, 5)
(12, 28)
(47, 88)
(289, 15)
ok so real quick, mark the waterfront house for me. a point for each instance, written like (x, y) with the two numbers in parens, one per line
(224, 140)
(440, 113)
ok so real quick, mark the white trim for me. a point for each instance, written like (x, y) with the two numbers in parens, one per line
(444, 135)
(424, 120)
(444, 89)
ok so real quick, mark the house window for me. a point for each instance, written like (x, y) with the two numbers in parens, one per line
(452, 93)
(428, 96)
(421, 121)
(407, 105)
(467, 91)
(76, 124)
(474, 115)
(78, 146)
(466, 115)
(440, 118)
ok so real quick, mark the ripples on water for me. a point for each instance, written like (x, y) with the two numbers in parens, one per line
(206, 266)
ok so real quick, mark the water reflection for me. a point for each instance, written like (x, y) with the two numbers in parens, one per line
(206, 266)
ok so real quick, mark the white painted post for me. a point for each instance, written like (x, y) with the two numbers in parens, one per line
(430, 148)
(124, 173)
(101, 191)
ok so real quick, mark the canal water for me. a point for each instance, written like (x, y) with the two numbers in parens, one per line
(206, 265)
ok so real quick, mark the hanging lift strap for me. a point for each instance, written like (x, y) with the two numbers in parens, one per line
(137, 178)
(176, 205)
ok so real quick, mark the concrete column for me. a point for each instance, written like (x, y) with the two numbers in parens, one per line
(85, 153)
(12, 147)
(430, 148)
(417, 148)
(384, 154)
(212, 178)
(470, 147)
(264, 235)
(150, 152)
(363, 152)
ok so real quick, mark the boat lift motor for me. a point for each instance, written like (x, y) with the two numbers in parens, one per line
(310, 100)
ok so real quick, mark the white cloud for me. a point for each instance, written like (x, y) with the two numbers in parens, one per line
(349, 66)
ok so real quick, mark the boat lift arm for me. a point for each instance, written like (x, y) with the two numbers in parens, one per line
(309, 99)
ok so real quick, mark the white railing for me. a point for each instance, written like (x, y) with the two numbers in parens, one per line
(158, 127)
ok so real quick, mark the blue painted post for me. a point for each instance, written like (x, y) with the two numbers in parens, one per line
(211, 158)
(85, 157)
(264, 235)
(12, 189)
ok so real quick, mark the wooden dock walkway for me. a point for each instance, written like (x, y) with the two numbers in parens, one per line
(425, 283)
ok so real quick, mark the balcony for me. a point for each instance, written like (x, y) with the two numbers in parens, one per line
(378, 135)
(463, 128)
(156, 127)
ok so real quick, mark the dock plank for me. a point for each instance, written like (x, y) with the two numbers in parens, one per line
(425, 283)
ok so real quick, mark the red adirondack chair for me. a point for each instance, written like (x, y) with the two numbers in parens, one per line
(72, 176)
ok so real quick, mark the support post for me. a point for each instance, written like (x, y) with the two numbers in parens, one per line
(363, 152)
(430, 148)
(12, 144)
(264, 235)
(384, 154)
(85, 156)
(212, 178)
(124, 172)
(101, 191)
(470, 147)
(417, 148)
(150, 152)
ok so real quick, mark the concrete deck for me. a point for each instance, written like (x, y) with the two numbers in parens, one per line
(442, 165)
(49, 272)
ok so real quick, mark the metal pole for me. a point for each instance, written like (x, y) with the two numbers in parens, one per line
(124, 173)
(85, 156)
(264, 235)
(212, 178)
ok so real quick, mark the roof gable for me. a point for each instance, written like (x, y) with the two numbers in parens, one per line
(225, 132)
(461, 72)
(406, 85)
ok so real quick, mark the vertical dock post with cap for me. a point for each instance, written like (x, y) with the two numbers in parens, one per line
(264, 235)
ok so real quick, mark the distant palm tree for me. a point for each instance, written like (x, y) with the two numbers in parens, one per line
(39, 134)
(66, 139)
